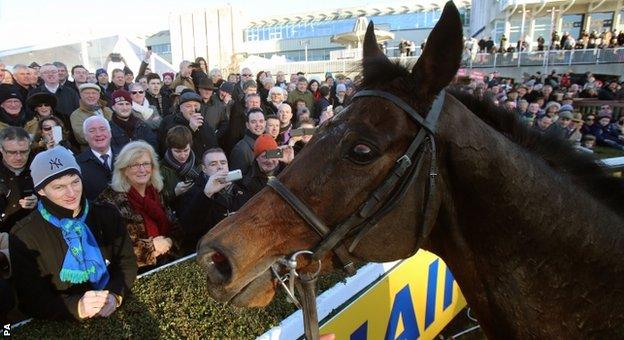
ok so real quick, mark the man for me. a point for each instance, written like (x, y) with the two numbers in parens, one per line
(301, 92)
(67, 100)
(125, 126)
(76, 272)
(216, 76)
(242, 154)
(79, 74)
(21, 79)
(239, 91)
(62, 72)
(213, 111)
(263, 167)
(543, 123)
(156, 96)
(609, 92)
(102, 79)
(118, 81)
(272, 126)
(184, 76)
(559, 129)
(128, 75)
(225, 95)
(96, 162)
(204, 137)
(212, 200)
(90, 105)
(238, 119)
(13, 111)
(17, 197)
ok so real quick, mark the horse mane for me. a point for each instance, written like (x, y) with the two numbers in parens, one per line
(583, 168)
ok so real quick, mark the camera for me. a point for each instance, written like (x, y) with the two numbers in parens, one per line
(234, 175)
(115, 57)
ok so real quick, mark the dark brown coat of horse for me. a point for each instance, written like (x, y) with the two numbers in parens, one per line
(533, 232)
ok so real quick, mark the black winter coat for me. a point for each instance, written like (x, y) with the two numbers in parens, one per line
(12, 189)
(141, 132)
(204, 138)
(38, 251)
(95, 178)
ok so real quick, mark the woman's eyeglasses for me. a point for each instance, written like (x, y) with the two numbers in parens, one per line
(137, 166)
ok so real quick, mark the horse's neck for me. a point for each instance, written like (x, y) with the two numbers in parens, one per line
(532, 253)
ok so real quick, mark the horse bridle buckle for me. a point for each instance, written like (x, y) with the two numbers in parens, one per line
(291, 265)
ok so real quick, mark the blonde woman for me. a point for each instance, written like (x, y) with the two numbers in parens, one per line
(275, 98)
(135, 191)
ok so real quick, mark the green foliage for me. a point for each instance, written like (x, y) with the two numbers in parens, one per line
(172, 304)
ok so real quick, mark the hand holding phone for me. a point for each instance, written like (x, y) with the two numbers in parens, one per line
(57, 134)
(234, 175)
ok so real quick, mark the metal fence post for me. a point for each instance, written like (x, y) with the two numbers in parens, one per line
(597, 56)
(495, 58)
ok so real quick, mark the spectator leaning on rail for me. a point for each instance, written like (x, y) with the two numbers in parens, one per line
(71, 258)
(17, 197)
(91, 105)
(210, 200)
(135, 191)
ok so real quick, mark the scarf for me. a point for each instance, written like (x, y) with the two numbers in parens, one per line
(144, 109)
(127, 125)
(154, 217)
(83, 260)
(180, 168)
(19, 121)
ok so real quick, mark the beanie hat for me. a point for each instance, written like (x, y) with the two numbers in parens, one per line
(89, 86)
(566, 107)
(566, 114)
(264, 143)
(127, 71)
(227, 87)
(52, 164)
(190, 97)
(341, 88)
(8, 91)
(121, 95)
(100, 71)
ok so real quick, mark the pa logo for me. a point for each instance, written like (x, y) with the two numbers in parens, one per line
(6, 330)
(55, 162)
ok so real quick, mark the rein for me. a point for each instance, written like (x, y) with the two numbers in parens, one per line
(383, 200)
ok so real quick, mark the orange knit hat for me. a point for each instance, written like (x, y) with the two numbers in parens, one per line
(264, 143)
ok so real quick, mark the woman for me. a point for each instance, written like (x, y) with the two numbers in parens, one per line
(313, 87)
(13, 112)
(134, 190)
(276, 96)
(42, 104)
(203, 66)
(142, 109)
(44, 137)
(51, 281)
(167, 80)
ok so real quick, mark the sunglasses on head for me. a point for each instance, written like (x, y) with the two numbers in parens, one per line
(137, 92)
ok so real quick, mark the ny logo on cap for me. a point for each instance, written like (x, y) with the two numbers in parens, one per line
(56, 162)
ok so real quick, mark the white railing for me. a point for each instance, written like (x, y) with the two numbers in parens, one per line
(480, 60)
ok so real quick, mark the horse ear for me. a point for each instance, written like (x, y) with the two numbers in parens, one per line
(371, 48)
(441, 56)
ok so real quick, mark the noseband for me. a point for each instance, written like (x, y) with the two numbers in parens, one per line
(386, 195)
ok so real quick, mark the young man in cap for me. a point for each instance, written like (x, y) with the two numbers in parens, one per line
(126, 126)
(71, 258)
(189, 115)
(225, 94)
(263, 166)
(17, 197)
(214, 112)
(91, 104)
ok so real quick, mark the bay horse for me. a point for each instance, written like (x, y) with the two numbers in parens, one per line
(532, 231)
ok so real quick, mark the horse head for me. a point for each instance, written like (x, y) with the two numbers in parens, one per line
(350, 157)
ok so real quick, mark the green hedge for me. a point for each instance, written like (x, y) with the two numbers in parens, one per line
(172, 304)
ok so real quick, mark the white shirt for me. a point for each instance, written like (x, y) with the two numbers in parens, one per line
(110, 157)
(51, 89)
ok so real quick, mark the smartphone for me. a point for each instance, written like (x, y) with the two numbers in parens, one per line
(234, 175)
(302, 132)
(57, 134)
(277, 153)
(149, 48)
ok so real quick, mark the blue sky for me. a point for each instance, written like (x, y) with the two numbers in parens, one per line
(36, 22)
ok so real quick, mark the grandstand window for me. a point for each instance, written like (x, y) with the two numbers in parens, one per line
(600, 21)
(572, 23)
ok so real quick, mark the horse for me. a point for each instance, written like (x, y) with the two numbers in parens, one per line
(532, 230)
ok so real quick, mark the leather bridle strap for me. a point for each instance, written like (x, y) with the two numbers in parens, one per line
(384, 198)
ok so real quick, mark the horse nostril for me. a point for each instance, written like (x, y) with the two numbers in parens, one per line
(217, 266)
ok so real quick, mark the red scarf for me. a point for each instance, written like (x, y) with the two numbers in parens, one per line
(154, 217)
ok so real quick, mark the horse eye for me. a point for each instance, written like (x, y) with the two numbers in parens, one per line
(362, 154)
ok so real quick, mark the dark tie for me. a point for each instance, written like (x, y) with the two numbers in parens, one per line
(104, 158)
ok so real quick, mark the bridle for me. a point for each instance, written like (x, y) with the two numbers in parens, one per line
(383, 200)
(386, 196)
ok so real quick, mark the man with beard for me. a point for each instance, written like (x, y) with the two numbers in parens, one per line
(126, 127)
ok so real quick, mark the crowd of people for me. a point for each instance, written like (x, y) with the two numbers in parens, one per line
(550, 106)
(566, 41)
(106, 177)
(103, 178)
